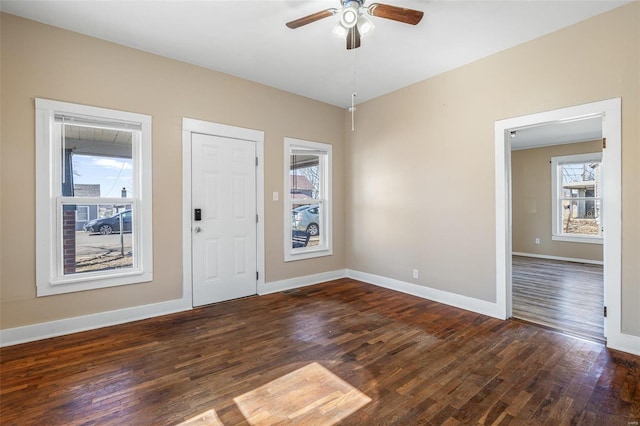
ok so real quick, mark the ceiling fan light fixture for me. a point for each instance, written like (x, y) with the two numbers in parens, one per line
(340, 31)
(353, 24)
(365, 25)
(349, 16)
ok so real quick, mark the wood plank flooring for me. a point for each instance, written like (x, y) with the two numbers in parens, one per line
(342, 352)
(566, 296)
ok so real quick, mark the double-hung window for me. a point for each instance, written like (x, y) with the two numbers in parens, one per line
(93, 198)
(577, 198)
(308, 202)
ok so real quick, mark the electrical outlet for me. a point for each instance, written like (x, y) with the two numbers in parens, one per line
(416, 274)
(537, 240)
(275, 196)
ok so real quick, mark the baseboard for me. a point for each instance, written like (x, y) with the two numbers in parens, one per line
(45, 330)
(291, 283)
(451, 299)
(566, 259)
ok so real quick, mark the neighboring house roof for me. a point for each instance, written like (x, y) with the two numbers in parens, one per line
(86, 190)
(301, 182)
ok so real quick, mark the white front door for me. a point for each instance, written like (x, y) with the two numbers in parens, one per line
(223, 186)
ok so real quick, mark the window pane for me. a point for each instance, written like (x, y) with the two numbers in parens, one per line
(581, 178)
(98, 244)
(97, 162)
(581, 216)
(305, 225)
(580, 203)
(305, 177)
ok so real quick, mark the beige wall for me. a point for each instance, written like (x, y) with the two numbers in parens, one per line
(420, 166)
(531, 202)
(42, 61)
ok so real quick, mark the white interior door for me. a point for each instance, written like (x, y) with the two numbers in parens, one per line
(223, 186)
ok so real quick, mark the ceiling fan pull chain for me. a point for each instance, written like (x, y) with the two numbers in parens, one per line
(353, 110)
(354, 93)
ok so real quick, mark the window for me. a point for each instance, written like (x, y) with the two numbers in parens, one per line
(308, 202)
(82, 214)
(93, 198)
(577, 198)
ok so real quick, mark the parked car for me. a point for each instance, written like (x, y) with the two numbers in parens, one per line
(108, 225)
(306, 218)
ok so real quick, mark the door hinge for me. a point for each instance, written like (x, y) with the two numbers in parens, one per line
(257, 275)
(604, 143)
(256, 161)
(605, 311)
(257, 219)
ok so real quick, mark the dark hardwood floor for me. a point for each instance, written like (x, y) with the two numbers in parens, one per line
(566, 296)
(342, 352)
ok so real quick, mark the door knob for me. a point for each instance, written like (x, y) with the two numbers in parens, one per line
(197, 229)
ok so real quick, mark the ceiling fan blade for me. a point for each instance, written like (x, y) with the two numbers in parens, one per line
(296, 23)
(400, 14)
(353, 38)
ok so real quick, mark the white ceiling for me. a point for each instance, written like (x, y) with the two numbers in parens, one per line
(249, 39)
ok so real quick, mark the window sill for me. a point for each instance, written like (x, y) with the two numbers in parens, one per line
(307, 254)
(577, 239)
(86, 283)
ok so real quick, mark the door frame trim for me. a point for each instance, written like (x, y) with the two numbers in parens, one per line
(189, 126)
(610, 110)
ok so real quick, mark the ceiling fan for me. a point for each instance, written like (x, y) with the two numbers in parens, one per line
(354, 22)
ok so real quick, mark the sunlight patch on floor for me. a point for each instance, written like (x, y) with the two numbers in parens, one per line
(208, 418)
(309, 395)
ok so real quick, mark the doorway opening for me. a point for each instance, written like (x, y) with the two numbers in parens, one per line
(606, 114)
(556, 205)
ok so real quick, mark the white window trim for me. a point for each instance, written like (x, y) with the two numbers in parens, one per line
(317, 251)
(48, 281)
(556, 190)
